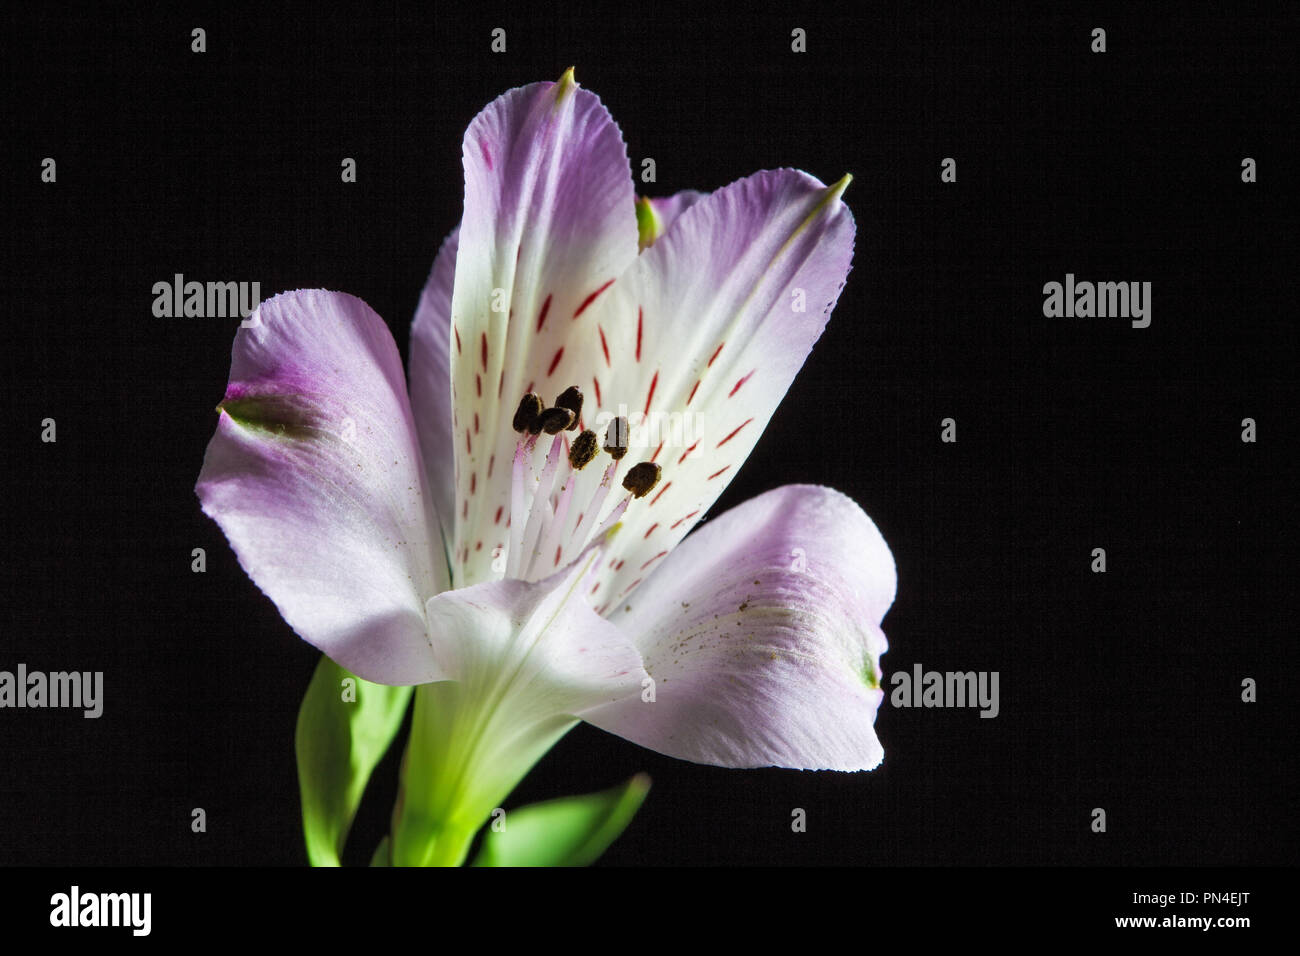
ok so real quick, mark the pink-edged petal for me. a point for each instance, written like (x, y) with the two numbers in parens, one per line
(431, 382)
(705, 334)
(761, 632)
(549, 223)
(314, 475)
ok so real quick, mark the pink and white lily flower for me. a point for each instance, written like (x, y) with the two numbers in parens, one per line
(523, 561)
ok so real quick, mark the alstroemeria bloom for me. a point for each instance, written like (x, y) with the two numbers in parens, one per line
(424, 540)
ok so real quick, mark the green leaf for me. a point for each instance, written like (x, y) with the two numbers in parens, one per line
(570, 831)
(381, 854)
(343, 731)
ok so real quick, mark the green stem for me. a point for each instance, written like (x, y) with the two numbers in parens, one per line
(467, 751)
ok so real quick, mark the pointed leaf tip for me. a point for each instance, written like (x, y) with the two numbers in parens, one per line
(837, 189)
(565, 85)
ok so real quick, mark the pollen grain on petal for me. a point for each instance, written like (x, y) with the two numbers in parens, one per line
(616, 438)
(555, 420)
(571, 398)
(583, 450)
(528, 413)
(642, 478)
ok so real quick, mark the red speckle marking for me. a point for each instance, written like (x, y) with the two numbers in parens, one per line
(497, 519)
(501, 381)
(638, 332)
(631, 586)
(557, 555)
(715, 353)
(604, 346)
(619, 566)
(478, 385)
(653, 560)
(483, 350)
(650, 397)
(487, 157)
(687, 518)
(651, 529)
(546, 307)
(693, 390)
(595, 587)
(473, 482)
(457, 331)
(476, 423)
(469, 449)
(656, 454)
(684, 454)
(718, 472)
(554, 362)
(596, 382)
(530, 386)
(491, 461)
(479, 546)
(661, 492)
(592, 298)
(464, 514)
(733, 434)
(735, 388)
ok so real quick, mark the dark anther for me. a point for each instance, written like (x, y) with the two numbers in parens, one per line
(572, 400)
(528, 412)
(582, 450)
(556, 420)
(642, 478)
(616, 438)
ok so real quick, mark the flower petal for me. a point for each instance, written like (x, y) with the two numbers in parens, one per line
(705, 335)
(431, 382)
(549, 223)
(761, 633)
(314, 475)
(537, 646)
(527, 660)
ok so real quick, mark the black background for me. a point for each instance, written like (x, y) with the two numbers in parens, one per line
(1119, 690)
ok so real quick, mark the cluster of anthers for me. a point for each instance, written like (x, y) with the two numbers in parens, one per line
(536, 526)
